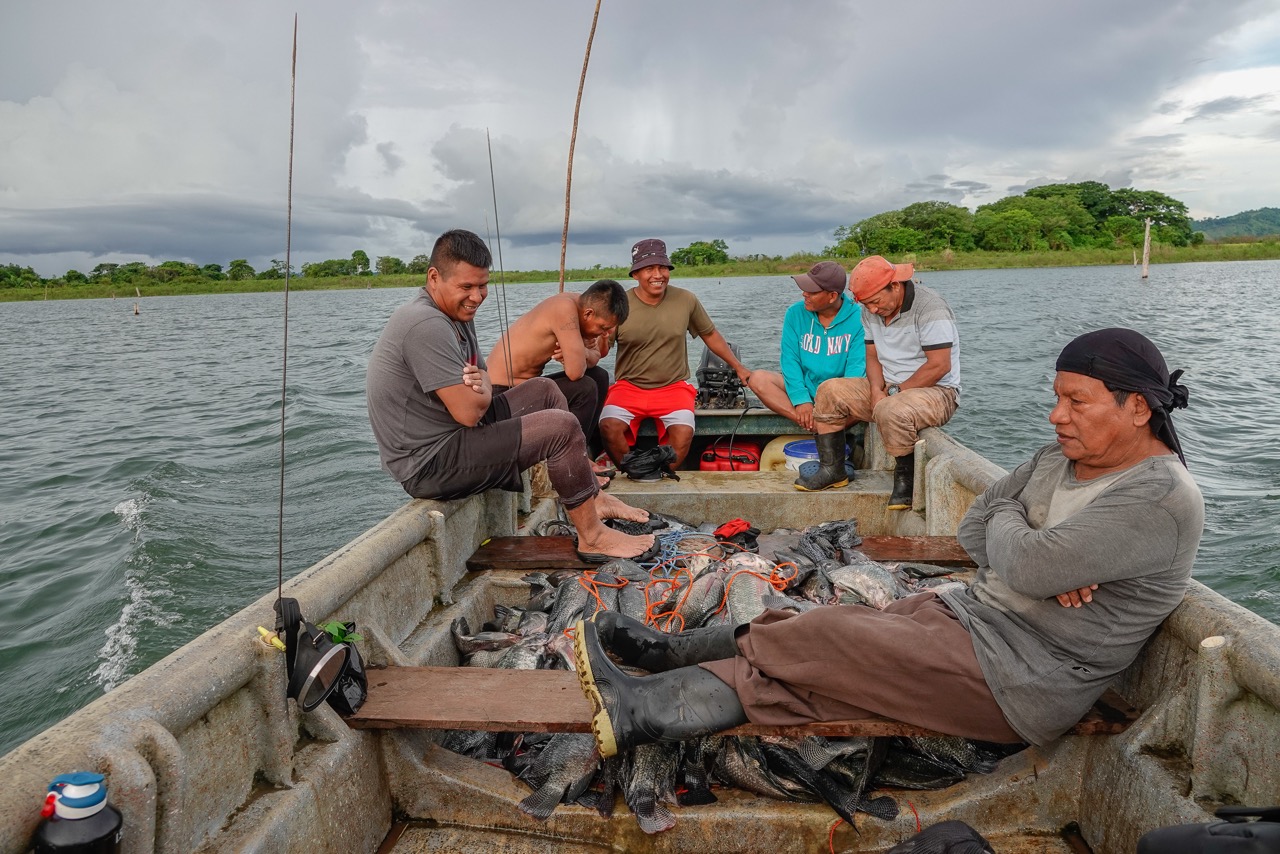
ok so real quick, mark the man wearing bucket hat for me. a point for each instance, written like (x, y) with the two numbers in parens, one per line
(912, 381)
(822, 338)
(652, 368)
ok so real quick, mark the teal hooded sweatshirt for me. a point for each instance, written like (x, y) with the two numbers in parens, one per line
(811, 354)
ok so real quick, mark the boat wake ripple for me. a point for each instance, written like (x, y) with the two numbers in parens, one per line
(146, 590)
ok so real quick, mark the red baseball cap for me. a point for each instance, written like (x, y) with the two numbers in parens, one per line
(875, 273)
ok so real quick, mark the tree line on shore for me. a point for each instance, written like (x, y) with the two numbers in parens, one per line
(1053, 217)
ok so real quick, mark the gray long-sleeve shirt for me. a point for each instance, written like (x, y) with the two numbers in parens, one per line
(1039, 532)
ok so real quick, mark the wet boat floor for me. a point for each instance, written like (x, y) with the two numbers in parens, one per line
(424, 837)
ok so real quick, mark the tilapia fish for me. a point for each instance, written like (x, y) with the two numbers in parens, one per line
(869, 581)
(561, 773)
(650, 784)
(747, 593)
(468, 643)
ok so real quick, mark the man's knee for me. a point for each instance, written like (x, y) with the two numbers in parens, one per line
(550, 393)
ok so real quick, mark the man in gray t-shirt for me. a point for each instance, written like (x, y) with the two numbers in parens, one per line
(1083, 552)
(441, 431)
(912, 381)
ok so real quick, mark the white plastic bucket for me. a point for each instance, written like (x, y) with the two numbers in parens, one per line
(799, 453)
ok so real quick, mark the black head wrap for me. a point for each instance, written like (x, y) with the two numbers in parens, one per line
(1127, 361)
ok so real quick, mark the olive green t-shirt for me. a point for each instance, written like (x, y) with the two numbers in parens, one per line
(652, 348)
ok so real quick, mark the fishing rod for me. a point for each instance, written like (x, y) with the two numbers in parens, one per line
(288, 268)
(503, 314)
(573, 141)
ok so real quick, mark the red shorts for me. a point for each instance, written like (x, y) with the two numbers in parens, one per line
(668, 405)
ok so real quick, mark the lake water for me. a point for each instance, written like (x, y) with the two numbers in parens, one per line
(140, 454)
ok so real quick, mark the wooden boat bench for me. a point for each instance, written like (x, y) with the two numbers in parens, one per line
(538, 553)
(480, 698)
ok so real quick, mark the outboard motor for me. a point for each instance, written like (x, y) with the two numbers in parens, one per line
(718, 384)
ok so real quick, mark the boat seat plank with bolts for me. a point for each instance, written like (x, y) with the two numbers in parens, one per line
(539, 553)
(499, 700)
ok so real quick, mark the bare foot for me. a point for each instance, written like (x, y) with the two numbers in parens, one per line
(607, 541)
(611, 507)
(602, 482)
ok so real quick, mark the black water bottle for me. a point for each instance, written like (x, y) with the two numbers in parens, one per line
(77, 817)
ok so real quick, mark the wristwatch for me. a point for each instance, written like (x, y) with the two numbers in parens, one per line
(893, 389)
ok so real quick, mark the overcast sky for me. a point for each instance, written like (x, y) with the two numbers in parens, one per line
(136, 130)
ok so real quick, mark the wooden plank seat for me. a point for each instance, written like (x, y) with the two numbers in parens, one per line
(537, 553)
(481, 698)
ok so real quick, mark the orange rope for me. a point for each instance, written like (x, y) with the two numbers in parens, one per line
(773, 579)
(591, 584)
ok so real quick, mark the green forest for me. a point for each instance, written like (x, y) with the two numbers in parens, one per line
(1051, 225)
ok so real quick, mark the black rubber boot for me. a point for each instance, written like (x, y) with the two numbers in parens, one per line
(640, 646)
(628, 711)
(904, 478)
(831, 471)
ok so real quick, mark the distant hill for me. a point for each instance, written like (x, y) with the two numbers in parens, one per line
(1257, 223)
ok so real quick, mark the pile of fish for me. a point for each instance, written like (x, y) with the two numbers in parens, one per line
(700, 581)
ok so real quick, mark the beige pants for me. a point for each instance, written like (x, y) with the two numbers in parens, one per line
(899, 417)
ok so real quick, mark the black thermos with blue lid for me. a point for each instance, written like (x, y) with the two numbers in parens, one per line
(77, 817)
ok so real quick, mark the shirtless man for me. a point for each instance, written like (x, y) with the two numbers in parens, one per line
(565, 328)
(443, 433)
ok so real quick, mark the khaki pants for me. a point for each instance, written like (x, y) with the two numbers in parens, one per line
(899, 417)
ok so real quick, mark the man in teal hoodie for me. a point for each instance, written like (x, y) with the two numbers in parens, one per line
(822, 339)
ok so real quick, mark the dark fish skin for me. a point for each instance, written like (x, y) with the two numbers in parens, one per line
(786, 603)
(525, 655)
(533, 622)
(706, 592)
(606, 589)
(631, 600)
(739, 763)
(650, 784)
(542, 595)
(562, 772)
(826, 786)
(474, 743)
(746, 595)
(505, 619)
(819, 752)
(486, 658)
(571, 598)
(957, 752)
(906, 769)
(603, 794)
(818, 588)
(695, 777)
(857, 769)
(925, 570)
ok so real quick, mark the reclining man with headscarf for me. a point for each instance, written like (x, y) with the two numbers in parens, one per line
(1082, 553)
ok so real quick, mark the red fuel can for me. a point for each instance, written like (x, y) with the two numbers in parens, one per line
(739, 456)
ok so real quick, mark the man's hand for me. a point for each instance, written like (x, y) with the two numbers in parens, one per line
(804, 416)
(877, 395)
(744, 374)
(1076, 598)
(474, 378)
(557, 355)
